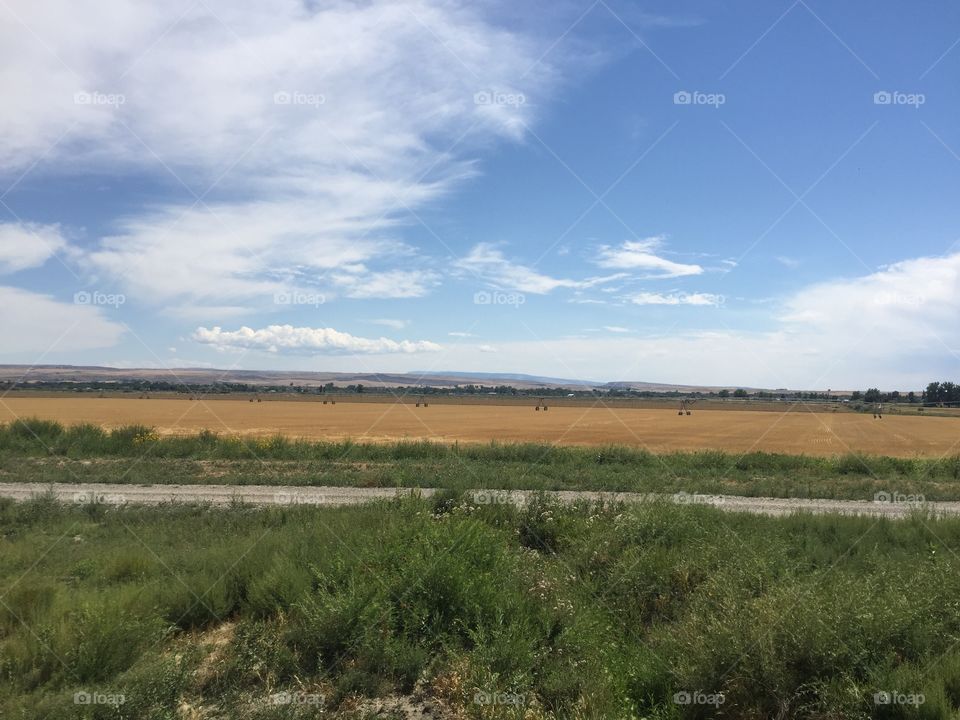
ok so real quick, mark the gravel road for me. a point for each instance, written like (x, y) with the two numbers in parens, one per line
(224, 495)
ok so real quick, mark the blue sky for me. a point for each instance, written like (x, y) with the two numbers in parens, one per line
(755, 194)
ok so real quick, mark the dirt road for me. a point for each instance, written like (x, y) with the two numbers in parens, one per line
(225, 495)
(797, 431)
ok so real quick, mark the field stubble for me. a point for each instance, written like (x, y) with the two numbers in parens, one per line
(798, 430)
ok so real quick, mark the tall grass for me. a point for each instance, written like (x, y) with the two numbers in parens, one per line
(34, 437)
(139, 454)
(588, 611)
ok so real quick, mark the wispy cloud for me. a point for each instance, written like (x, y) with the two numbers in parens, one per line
(306, 340)
(28, 245)
(301, 136)
(678, 298)
(391, 323)
(642, 256)
(835, 333)
(489, 263)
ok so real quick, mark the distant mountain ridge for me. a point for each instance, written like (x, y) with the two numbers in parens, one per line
(446, 379)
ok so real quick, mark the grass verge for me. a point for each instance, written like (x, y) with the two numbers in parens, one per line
(478, 611)
(43, 451)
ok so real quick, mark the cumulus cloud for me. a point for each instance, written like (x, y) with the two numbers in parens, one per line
(35, 323)
(301, 136)
(641, 255)
(488, 263)
(697, 298)
(28, 245)
(306, 340)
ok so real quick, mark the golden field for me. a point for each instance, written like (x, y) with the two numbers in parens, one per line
(798, 430)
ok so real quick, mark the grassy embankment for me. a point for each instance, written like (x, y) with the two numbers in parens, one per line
(483, 611)
(42, 451)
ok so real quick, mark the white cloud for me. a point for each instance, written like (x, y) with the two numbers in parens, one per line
(391, 323)
(913, 304)
(616, 329)
(698, 298)
(895, 328)
(641, 255)
(489, 264)
(306, 340)
(874, 330)
(460, 334)
(318, 129)
(788, 262)
(232, 252)
(389, 284)
(486, 348)
(35, 323)
(28, 245)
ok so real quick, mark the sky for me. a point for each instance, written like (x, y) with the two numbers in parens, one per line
(760, 193)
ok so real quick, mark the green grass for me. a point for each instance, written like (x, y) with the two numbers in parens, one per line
(42, 451)
(571, 612)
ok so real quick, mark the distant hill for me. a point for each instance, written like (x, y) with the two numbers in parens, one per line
(439, 379)
(73, 373)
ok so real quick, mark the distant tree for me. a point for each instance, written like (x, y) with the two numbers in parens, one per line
(950, 392)
(856, 395)
(872, 395)
(911, 397)
(724, 393)
(359, 388)
(740, 393)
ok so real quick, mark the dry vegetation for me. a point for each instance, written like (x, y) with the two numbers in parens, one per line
(798, 430)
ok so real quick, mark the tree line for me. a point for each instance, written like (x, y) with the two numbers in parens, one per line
(936, 393)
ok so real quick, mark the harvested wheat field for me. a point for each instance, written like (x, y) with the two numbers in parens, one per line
(796, 431)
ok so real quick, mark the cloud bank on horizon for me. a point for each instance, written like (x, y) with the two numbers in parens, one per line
(271, 180)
